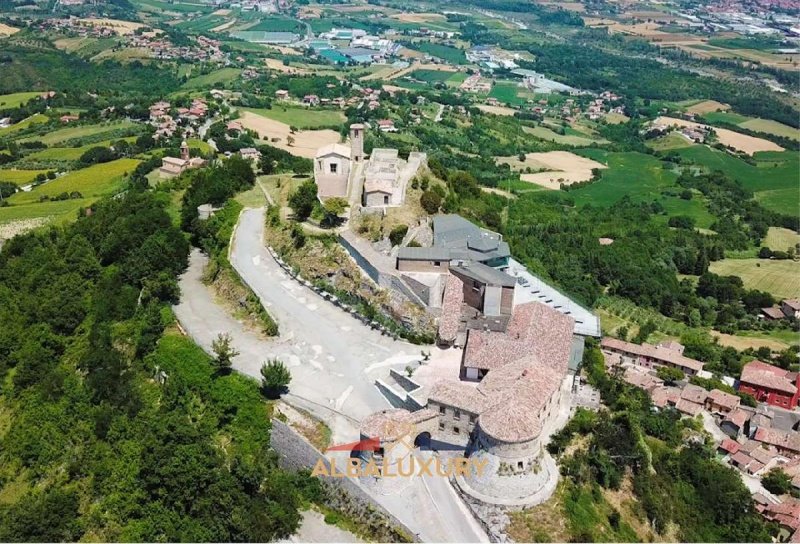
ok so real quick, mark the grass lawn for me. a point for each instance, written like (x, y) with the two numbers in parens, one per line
(775, 179)
(781, 278)
(25, 123)
(72, 153)
(15, 100)
(431, 76)
(779, 239)
(544, 133)
(671, 141)
(69, 133)
(20, 177)
(278, 24)
(302, 118)
(510, 93)
(452, 55)
(94, 181)
(695, 208)
(634, 174)
(725, 117)
(194, 143)
(771, 127)
(210, 79)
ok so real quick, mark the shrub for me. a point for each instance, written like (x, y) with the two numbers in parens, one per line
(430, 202)
(274, 378)
(397, 234)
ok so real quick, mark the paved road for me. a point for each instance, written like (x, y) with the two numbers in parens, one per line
(334, 360)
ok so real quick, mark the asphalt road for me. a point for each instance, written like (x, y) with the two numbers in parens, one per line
(334, 360)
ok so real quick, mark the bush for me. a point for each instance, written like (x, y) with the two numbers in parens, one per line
(430, 202)
(777, 481)
(274, 378)
(397, 234)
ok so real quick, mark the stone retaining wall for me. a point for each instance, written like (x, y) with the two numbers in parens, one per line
(342, 494)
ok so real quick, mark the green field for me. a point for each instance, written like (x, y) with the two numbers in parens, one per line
(640, 176)
(176, 7)
(450, 54)
(69, 133)
(775, 180)
(766, 126)
(780, 278)
(779, 239)
(510, 93)
(94, 181)
(25, 123)
(15, 100)
(279, 24)
(695, 208)
(302, 118)
(62, 210)
(431, 76)
(20, 177)
(72, 153)
(208, 80)
(671, 141)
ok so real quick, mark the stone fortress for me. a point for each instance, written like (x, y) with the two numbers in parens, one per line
(379, 181)
(517, 363)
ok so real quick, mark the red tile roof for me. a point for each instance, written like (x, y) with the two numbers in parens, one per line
(658, 353)
(723, 399)
(787, 440)
(786, 513)
(737, 417)
(451, 308)
(767, 376)
(731, 446)
(689, 407)
(773, 312)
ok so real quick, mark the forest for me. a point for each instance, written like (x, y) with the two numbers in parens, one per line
(116, 426)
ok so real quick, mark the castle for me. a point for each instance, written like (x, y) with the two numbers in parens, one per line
(381, 179)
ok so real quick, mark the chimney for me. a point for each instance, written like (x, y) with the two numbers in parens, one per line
(357, 142)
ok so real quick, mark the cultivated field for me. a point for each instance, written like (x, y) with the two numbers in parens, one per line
(25, 123)
(771, 127)
(419, 17)
(780, 278)
(6, 30)
(497, 110)
(69, 133)
(306, 142)
(301, 117)
(275, 64)
(544, 133)
(740, 142)
(15, 100)
(209, 80)
(119, 27)
(707, 106)
(779, 239)
(560, 167)
(20, 177)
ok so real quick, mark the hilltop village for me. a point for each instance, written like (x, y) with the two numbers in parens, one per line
(484, 271)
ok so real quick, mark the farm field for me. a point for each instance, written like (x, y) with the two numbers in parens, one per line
(209, 80)
(452, 55)
(544, 133)
(302, 118)
(72, 153)
(497, 110)
(668, 142)
(452, 79)
(25, 123)
(69, 133)
(306, 142)
(94, 181)
(707, 106)
(560, 167)
(15, 100)
(779, 239)
(510, 93)
(637, 175)
(775, 180)
(767, 126)
(20, 177)
(780, 278)
(15, 219)
(695, 208)
(741, 142)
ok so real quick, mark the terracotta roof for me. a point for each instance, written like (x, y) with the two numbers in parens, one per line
(773, 312)
(694, 393)
(724, 399)
(737, 417)
(689, 407)
(786, 513)
(731, 446)
(459, 395)
(792, 303)
(767, 376)
(741, 459)
(662, 396)
(755, 466)
(749, 445)
(451, 308)
(641, 379)
(658, 353)
(788, 440)
(763, 455)
(388, 425)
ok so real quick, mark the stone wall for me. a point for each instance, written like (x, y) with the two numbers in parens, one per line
(342, 494)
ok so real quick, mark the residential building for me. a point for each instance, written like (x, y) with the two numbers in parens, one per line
(649, 356)
(250, 153)
(719, 402)
(174, 166)
(770, 384)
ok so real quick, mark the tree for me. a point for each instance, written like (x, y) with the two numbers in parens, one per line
(645, 331)
(430, 201)
(303, 200)
(334, 207)
(223, 353)
(777, 481)
(397, 234)
(764, 253)
(275, 377)
(670, 375)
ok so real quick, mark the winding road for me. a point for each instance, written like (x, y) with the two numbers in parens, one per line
(334, 360)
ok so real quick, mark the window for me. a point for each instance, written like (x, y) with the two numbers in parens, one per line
(441, 426)
(520, 465)
(476, 286)
(385, 199)
(456, 430)
(334, 167)
(437, 263)
(456, 414)
(472, 418)
(441, 409)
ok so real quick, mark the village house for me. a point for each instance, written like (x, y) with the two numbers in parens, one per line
(386, 125)
(282, 94)
(68, 118)
(311, 100)
(770, 384)
(649, 356)
(250, 153)
(174, 166)
(788, 309)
